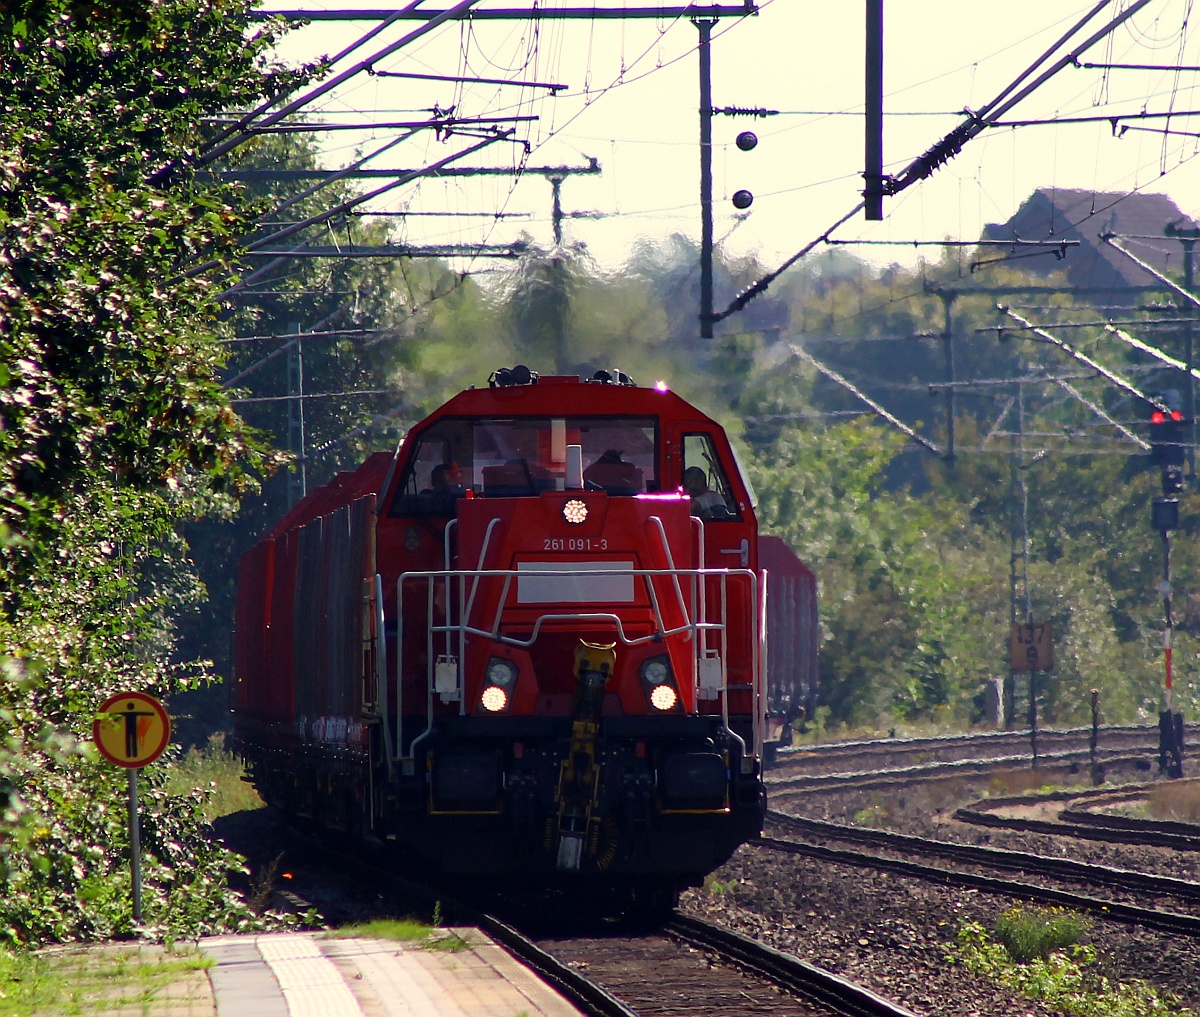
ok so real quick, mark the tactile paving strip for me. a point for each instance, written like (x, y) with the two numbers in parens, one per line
(311, 984)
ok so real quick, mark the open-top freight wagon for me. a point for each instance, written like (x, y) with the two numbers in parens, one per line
(532, 644)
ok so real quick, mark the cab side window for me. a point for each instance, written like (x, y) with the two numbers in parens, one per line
(431, 483)
(705, 480)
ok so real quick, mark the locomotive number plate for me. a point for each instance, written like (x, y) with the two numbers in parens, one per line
(575, 544)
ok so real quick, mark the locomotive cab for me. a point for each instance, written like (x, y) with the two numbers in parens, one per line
(562, 650)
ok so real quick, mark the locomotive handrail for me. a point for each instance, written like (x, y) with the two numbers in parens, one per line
(698, 626)
(580, 616)
(483, 549)
(760, 703)
(381, 672)
(662, 533)
(698, 523)
(660, 627)
(451, 526)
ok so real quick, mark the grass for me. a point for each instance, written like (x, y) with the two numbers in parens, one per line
(877, 816)
(715, 886)
(1035, 933)
(1178, 801)
(99, 980)
(218, 771)
(1066, 978)
(408, 930)
(1017, 782)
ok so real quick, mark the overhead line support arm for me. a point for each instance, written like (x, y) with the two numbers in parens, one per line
(849, 386)
(245, 128)
(345, 206)
(1111, 240)
(532, 13)
(1083, 358)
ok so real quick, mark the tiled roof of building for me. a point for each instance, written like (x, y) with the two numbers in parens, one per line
(1138, 220)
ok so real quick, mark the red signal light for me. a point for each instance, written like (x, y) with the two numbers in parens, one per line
(1158, 417)
(1176, 415)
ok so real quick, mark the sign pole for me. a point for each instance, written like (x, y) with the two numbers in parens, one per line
(1033, 717)
(131, 729)
(135, 844)
(1031, 648)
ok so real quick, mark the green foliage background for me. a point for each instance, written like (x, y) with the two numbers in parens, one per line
(115, 426)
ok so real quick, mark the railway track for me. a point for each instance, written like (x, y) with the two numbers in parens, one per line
(1070, 761)
(1082, 824)
(685, 968)
(692, 968)
(996, 858)
(828, 756)
(785, 969)
(1107, 909)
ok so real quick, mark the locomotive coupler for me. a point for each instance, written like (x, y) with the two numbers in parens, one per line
(579, 776)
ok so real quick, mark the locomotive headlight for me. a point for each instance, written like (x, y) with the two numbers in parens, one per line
(658, 683)
(494, 699)
(575, 511)
(663, 698)
(501, 676)
(501, 671)
(656, 670)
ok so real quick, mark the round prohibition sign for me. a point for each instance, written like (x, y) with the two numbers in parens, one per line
(131, 729)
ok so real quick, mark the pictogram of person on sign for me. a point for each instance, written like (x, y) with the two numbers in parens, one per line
(133, 727)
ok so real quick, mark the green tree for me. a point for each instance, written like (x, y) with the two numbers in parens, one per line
(114, 425)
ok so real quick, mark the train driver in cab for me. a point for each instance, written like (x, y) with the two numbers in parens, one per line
(706, 504)
(445, 486)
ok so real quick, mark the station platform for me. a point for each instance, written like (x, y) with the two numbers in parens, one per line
(316, 975)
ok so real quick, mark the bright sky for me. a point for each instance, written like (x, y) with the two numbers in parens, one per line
(631, 101)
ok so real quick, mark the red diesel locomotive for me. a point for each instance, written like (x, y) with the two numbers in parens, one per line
(532, 643)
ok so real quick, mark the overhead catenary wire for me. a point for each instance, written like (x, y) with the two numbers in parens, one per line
(295, 339)
(1111, 240)
(952, 143)
(350, 203)
(440, 124)
(387, 419)
(1153, 351)
(1100, 412)
(339, 333)
(236, 134)
(313, 395)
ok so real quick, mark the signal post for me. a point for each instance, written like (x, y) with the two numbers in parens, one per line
(1168, 448)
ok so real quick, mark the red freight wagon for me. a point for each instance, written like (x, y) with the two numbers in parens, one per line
(533, 643)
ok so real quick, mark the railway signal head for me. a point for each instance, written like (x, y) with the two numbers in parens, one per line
(1168, 437)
